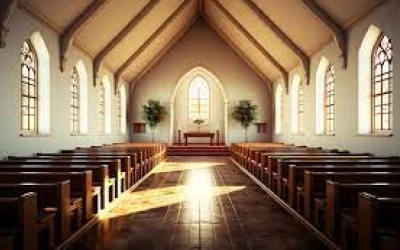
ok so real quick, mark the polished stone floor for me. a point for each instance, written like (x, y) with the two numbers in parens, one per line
(197, 203)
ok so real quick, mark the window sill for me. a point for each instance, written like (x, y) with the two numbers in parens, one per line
(376, 135)
(326, 134)
(298, 134)
(79, 134)
(34, 135)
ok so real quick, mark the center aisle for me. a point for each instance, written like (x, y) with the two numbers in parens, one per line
(198, 203)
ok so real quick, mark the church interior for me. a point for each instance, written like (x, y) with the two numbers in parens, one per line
(199, 124)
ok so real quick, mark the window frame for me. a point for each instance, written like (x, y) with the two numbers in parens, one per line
(330, 106)
(381, 78)
(102, 108)
(199, 100)
(28, 96)
(75, 119)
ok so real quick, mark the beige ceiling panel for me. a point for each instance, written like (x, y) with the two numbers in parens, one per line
(142, 32)
(166, 39)
(240, 41)
(107, 24)
(347, 12)
(59, 13)
(261, 32)
(297, 22)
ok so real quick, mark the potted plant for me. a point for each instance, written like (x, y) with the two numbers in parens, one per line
(153, 113)
(198, 121)
(245, 113)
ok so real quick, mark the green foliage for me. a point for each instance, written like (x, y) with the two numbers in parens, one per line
(153, 113)
(245, 113)
(198, 121)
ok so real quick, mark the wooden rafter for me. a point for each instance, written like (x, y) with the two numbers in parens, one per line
(254, 42)
(165, 49)
(236, 49)
(67, 37)
(304, 59)
(150, 40)
(6, 8)
(339, 34)
(99, 59)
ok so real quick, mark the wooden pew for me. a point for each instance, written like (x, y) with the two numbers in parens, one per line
(126, 165)
(135, 160)
(343, 197)
(20, 213)
(287, 176)
(53, 199)
(80, 184)
(100, 173)
(378, 213)
(127, 161)
(314, 184)
(139, 155)
(277, 163)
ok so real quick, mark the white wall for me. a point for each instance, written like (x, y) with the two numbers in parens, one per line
(22, 26)
(387, 18)
(201, 46)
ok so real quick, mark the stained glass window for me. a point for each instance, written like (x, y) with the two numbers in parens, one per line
(330, 100)
(198, 99)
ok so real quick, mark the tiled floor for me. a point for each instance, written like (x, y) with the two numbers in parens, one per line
(198, 203)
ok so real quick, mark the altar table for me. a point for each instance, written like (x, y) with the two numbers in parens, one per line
(198, 134)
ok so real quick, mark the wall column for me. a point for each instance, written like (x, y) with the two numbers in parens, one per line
(226, 123)
(171, 127)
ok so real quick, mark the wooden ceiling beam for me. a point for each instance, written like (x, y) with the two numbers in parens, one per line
(164, 50)
(6, 8)
(236, 49)
(304, 59)
(339, 34)
(99, 59)
(253, 41)
(67, 37)
(150, 40)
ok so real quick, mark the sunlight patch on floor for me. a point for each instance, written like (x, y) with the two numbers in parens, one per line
(175, 166)
(197, 188)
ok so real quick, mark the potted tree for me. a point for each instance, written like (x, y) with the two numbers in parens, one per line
(153, 113)
(245, 113)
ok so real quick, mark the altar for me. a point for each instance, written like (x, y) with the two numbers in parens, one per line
(187, 135)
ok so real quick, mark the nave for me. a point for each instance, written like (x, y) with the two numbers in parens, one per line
(197, 203)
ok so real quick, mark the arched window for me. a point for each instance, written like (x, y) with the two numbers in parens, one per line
(102, 111)
(382, 86)
(122, 102)
(301, 108)
(198, 99)
(296, 105)
(330, 100)
(29, 85)
(119, 111)
(278, 109)
(75, 101)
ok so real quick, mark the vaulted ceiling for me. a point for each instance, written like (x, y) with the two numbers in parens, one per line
(129, 36)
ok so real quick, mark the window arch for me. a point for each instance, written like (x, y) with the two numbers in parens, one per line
(329, 105)
(75, 104)
(102, 108)
(198, 99)
(105, 105)
(29, 86)
(297, 105)
(121, 109)
(83, 97)
(382, 86)
(35, 86)
(278, 109)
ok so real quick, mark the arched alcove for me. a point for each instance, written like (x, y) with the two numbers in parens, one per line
(107, 104)
(278, 109)
(43, 58)
(218, 104)
(83, 86)
(320, 95)
(294, 104)
(122, 91)
(364, 79)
